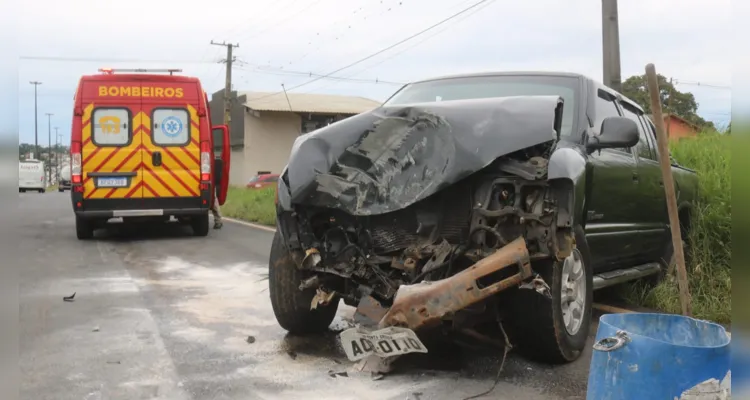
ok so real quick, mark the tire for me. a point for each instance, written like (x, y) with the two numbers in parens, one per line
(42, 190)
(84, 229)
(291, 306)
(200, 225)
(21, 190)
(537, 322)
(61, 190)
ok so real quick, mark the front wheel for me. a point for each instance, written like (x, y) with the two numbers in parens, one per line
(554, 329)
(291, 306)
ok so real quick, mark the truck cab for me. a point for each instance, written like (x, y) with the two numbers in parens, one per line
(142, 148)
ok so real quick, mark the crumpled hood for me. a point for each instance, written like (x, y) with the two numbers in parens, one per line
(391, 157)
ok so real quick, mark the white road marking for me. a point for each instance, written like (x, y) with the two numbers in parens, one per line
(250, 224)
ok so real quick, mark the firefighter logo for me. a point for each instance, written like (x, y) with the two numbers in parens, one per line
(171, 127)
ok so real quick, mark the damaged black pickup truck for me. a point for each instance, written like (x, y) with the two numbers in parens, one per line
(467, 200)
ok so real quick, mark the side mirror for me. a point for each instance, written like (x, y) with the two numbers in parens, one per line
(616, 132)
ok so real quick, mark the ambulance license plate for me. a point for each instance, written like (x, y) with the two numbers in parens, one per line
(387, 342)
(112, 182)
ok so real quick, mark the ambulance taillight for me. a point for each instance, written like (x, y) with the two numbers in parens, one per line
(205, 161)
(75, 162)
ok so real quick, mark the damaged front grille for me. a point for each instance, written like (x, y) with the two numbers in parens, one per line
(446, 215)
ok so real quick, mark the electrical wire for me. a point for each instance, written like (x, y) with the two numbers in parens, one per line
(394, 55)
(112, 60)
(350, 21)
(281, 21)
(694, 83)
(312, 74)
(476, 4)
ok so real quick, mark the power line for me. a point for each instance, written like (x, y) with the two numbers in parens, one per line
(350, 22)
(312, 74)
(281, 21)
(113, 60)
(694, 83)
(396, 54)
(238, 27)
(384, 49)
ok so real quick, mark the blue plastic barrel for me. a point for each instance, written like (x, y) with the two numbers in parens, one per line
(641, 356)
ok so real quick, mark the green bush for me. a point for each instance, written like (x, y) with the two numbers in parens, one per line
(251, 205)
(710, 235)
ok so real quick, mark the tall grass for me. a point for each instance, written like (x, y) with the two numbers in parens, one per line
(709, 238)
(250, 205)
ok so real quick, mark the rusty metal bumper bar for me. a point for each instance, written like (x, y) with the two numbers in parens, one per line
(426, 303)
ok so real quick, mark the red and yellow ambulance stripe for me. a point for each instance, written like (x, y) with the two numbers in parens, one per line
(177, 176)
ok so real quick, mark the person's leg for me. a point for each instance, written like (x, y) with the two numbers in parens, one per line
(217, 215)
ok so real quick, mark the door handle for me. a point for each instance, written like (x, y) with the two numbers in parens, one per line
(156, 159)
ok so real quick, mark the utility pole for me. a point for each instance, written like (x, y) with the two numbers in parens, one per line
(58, 143)
(49, 143)
(228, 83)
(611, 45)
(36, 120)
(669, 106)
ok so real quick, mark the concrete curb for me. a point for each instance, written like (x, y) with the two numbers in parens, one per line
(249, 224)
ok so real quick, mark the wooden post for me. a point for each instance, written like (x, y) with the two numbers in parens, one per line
(666, 173)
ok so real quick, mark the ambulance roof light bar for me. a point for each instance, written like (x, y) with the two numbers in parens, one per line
(110, 71)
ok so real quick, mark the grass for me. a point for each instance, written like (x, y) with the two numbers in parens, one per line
(709, 271)
(710, 236)
(250, 205)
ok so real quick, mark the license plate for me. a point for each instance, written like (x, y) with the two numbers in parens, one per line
(387, 342)
(112, 182)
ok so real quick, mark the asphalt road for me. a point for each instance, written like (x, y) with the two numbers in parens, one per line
(161, 314)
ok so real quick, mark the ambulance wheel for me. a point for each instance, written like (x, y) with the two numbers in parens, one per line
(291, 306)
(84, 229)
(200, 225)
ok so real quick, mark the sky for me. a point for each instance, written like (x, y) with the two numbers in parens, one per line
(281, 40)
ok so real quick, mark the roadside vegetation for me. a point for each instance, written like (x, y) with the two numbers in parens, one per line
(710, 237)
(250, 205)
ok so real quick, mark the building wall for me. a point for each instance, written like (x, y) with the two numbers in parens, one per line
(678, 129)
(269, 137)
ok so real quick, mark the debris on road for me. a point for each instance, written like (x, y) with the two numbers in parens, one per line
(334, 374)
(95, 329)
(250, 339)
(70, 298)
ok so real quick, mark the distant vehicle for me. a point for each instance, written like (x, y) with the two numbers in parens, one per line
(142, 149)
(31, 176)
(262, 181)
(64, 178)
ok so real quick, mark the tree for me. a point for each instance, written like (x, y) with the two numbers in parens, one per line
(673, 101)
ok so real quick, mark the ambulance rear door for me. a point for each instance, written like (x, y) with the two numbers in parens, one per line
(171, 149)
(111, 144)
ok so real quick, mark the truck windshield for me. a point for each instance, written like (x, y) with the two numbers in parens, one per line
(477, 87)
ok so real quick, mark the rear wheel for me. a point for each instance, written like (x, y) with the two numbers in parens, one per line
(61, 190)
(291, 306)
(42, 190)
(200, 225)
(554, 329)
(84, 228)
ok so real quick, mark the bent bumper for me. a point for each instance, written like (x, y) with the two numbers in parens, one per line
(141, 213)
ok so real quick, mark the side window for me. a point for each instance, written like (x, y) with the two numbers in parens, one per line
(651, 133)
(643, 148)
(272, 179)
(605, 107)
(111, 127)
(170, 127)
